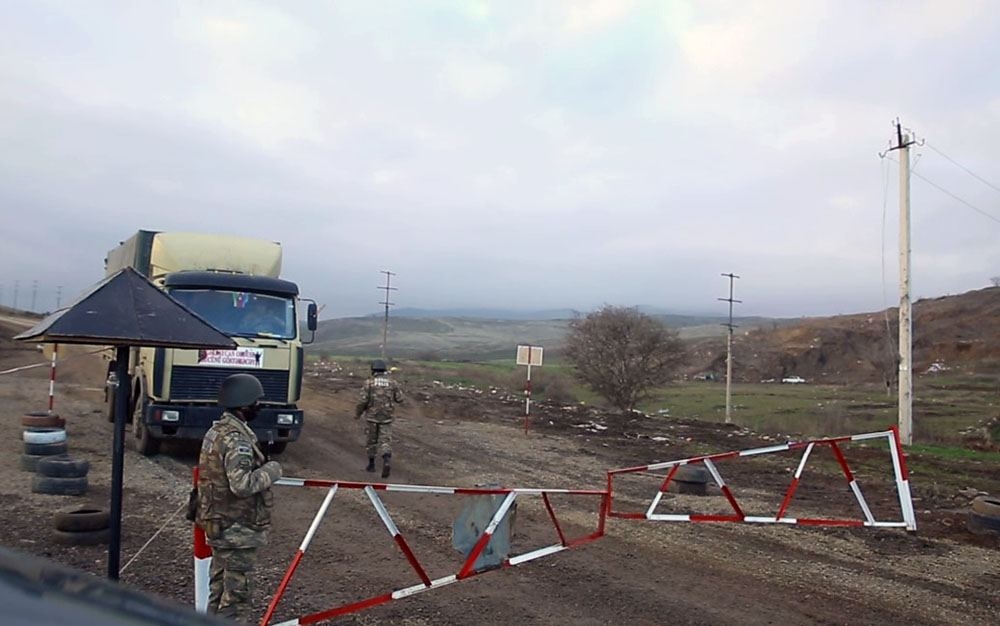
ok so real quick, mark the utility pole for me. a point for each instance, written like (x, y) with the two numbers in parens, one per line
(385, 321)
(903, 143)
(17, 284)
(34, 294)
(58, 297)
(729, 349)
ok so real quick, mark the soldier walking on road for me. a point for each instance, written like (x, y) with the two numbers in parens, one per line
(234, 497)
(379, 397)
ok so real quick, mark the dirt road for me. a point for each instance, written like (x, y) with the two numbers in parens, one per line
(640, 573)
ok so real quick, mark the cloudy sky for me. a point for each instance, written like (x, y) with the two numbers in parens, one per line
(509, 154)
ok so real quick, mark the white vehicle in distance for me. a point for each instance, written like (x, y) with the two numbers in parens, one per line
(793, 379)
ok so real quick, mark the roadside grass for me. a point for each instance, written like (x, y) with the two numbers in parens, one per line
(943, 405)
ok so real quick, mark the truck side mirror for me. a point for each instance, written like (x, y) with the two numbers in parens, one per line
(311, 317)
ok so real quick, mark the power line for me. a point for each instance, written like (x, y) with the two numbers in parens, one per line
(965, 202)
(967, 170)
(945, 191)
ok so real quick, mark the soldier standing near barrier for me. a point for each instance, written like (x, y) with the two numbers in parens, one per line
(234, 497)
(379, 397)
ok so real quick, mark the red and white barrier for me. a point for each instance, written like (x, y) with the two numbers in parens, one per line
(52, 376)
(202, 563)
(467, 570)
(709, 461)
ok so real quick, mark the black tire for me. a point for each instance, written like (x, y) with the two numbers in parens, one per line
(982, 525)
(693, 474)
(45, 449)
(42, 419)
(62, 466)
(987, 506)
(59, 486)
(29, 462)
(145, 443)
(83, 538)
(277, 447)
(82, 520)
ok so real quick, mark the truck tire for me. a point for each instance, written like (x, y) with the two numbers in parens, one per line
(29, 462)
(42, 419)
(45, 449)
(62, 466)
(44, 435)
(59, 486)
(82, 519)
(83, 538)
(277, 447)
(145, 443)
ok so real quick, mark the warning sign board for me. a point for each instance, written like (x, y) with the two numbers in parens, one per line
(240, 357)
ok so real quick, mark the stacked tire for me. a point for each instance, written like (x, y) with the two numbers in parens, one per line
(984, 518)
(61, 475)
(45, 454)
(82, 526)
(44, 435)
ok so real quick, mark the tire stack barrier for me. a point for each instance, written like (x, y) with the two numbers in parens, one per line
(984, 519)
(44, 435)
(45, 453)
(82, 526)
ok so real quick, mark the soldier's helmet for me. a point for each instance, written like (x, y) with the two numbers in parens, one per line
(240, 390)
(378, 365)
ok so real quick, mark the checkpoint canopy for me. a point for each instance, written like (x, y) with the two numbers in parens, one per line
(125, 310)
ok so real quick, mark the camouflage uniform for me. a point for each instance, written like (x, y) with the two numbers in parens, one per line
(234, 510)
(379, 397)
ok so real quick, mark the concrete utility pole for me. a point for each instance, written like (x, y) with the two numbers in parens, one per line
(34, 294)
(17, 284)
(729, 349)
(903, 143)
(58, 297)
(385, 322)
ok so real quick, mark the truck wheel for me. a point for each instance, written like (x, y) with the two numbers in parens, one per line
(278, 447)
(145, 443)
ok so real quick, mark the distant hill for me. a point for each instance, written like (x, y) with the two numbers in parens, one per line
(477, 338)
(958, 334)
(952, 333)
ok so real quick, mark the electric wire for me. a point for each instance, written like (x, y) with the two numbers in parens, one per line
(930, 182)
(962, 167)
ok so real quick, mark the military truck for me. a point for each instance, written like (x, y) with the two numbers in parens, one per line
(233, 283)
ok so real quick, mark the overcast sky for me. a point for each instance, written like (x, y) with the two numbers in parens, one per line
(508, 154)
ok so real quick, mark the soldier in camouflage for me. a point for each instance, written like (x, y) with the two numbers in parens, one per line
(234, 497)
(379, 397)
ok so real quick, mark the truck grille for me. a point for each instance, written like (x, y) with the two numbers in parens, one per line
(189, 382)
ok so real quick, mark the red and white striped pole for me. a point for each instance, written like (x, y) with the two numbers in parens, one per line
(52, 377)
(202, 563)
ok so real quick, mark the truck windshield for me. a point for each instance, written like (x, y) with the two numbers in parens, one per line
(242, 314)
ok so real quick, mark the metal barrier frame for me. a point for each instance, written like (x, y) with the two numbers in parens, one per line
(899, 469)
(467, 570)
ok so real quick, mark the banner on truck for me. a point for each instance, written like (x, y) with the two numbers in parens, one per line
(240, 357)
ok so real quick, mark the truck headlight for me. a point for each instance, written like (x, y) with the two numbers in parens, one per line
(171, 416)
(286, 419)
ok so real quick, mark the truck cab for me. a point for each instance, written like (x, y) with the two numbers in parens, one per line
(174, 392)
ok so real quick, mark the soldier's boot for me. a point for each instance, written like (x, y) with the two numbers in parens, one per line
(371, 464)
(385, 465)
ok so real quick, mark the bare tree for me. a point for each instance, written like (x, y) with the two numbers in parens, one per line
(623, 354)
(995, 281)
